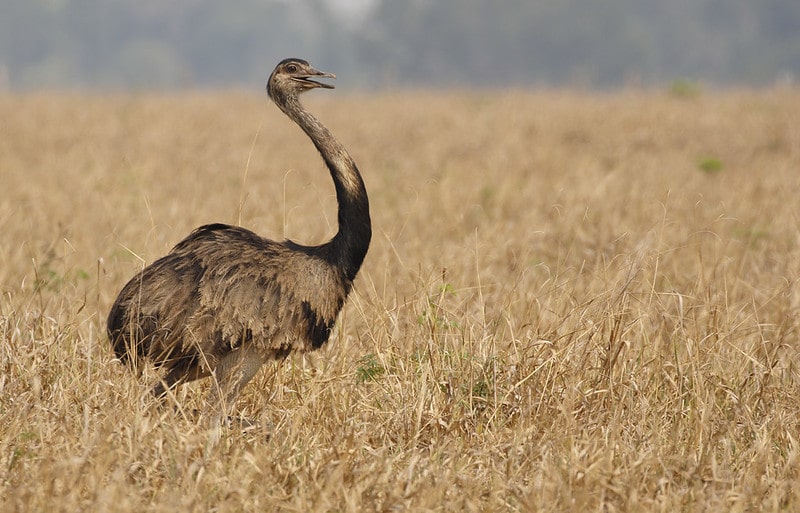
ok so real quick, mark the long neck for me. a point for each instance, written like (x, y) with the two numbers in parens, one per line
(349, 246)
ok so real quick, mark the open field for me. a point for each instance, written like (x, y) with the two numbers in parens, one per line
(572, 302)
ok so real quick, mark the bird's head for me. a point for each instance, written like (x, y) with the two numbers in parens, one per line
(294, 76)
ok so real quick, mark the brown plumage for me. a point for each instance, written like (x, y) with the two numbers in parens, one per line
(224, 301)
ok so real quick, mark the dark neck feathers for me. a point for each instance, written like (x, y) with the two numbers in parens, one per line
(349, 246)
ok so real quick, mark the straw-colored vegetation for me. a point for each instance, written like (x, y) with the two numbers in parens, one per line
(571, 303)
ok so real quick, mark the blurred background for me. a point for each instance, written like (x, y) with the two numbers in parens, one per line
(378, 44)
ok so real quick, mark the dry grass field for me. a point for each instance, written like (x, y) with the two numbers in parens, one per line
(572, 302)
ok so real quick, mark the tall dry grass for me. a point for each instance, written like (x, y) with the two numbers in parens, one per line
(572, 302)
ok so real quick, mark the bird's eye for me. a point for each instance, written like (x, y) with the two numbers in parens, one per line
(291, 68)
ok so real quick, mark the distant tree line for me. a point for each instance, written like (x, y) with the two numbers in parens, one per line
(413, 43)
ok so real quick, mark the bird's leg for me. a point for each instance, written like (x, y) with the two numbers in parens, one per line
(176, 376)
(231, 374)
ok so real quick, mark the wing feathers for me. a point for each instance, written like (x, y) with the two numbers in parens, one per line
(222, 287)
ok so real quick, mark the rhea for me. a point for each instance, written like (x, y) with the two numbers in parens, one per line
(224, 300)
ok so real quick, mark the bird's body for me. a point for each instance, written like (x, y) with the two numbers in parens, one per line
(224, 300)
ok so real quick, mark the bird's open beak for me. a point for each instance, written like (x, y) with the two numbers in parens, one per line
(306, 79)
